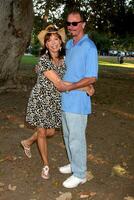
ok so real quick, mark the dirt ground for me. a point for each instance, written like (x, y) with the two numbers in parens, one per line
(110, 141)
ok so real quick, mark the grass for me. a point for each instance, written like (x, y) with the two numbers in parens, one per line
(114, 84)
(106, 63)
(103, 61)
(112, 62)
(29, 60)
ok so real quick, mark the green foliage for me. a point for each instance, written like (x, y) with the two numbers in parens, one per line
(124, 44)
(107, 20)
(101, 40)
(35, 49)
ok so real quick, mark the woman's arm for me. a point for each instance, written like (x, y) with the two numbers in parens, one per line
(58, 83)
(88, 89)
(55, 79)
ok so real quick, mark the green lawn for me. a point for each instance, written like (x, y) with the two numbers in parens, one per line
(112, 62)
(29, 60)
(103, 61)
(109, 64)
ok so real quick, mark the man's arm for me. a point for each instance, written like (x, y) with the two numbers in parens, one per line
(82, 83)
(63, 86)
(76, 85)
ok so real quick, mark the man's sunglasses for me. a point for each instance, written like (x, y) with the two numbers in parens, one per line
(73, 23)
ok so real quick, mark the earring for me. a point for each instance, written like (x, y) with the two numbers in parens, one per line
(46, 51)
(60, 48)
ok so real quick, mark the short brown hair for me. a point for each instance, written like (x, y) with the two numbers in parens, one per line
(77, 11)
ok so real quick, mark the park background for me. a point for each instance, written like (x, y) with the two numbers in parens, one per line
(110, 131)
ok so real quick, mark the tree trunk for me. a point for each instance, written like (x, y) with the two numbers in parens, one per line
(16, 21)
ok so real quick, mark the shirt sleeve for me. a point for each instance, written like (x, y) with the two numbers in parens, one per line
(45, 64)
(91, 62)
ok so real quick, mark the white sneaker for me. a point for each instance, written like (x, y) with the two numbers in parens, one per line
(73, 182)
(65, 169)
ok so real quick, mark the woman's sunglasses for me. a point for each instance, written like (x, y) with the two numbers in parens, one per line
(72, 23)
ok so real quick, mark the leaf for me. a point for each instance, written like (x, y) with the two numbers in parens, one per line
(84, 195)
(9, 157)
(89, 176)
(33, 199)
(65, 196)
(21, 125)
(12, 188)
(56, 183)
(119, 171)
(96, 159)
(128, 198)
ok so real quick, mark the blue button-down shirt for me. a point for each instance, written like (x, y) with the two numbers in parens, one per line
(81, 62)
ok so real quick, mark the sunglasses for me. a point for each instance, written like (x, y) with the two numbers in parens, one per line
(73, 23)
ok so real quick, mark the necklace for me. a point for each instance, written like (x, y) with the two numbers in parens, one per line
(57, 62)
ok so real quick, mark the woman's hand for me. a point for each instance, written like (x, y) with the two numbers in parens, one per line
(36, 68)
(90, 90)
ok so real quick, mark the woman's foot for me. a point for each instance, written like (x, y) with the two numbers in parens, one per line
(45, 172)
(26, 148)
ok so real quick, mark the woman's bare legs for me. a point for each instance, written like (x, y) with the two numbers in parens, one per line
(39, 136)
(42, 133)
(50, 132)
(42, 145)
(29, 141)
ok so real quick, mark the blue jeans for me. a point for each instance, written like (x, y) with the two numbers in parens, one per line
(74, 127)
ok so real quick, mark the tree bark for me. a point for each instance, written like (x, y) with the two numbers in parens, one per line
(16, 21)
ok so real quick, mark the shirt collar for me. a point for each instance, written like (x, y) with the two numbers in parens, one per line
(83, 38)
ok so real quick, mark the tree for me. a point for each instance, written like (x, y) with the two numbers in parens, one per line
(102, 42)
(16, 21)
(111, 17)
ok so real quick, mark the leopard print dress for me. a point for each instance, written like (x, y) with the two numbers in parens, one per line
(44, 105)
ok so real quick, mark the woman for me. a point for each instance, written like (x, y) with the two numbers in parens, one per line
(43, 110)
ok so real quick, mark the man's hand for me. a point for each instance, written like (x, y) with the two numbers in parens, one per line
(80, 84)
(90, 90)
(61, 86)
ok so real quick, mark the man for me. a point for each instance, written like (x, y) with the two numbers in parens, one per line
(82, 69)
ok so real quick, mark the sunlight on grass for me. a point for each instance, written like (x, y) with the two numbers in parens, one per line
(127, 65)
(109, 61)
